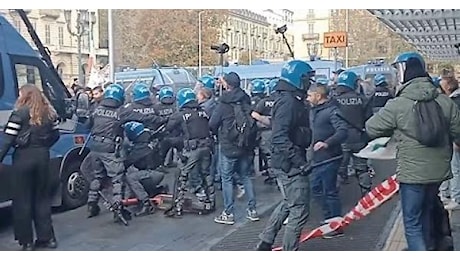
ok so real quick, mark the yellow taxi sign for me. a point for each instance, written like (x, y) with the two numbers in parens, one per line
(335, 40)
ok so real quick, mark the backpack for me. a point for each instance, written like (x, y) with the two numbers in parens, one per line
(243, 130)
(430, 124)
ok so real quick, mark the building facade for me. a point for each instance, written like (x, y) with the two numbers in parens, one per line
(309, 28)
(52, 29)
(251, 35)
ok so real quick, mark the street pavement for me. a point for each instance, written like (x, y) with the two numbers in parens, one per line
(194, 233)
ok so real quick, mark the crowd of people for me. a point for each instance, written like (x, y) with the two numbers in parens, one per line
(305, 133)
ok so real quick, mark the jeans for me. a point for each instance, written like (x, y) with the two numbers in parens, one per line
(295, 206)
(324, 189)
(228, 167)
(417, 204)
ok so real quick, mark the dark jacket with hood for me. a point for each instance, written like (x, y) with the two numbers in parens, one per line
(291, 134)
(223, 117)
(328, 127)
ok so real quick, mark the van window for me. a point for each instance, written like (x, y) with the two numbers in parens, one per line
(28, 74)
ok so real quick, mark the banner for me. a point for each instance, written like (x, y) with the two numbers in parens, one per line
(378, 149)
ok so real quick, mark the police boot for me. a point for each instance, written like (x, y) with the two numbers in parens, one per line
(147, 208)
(93, 209)
(263, 246)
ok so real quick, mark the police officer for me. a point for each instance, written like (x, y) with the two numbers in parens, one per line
(291, 135)
(141, 162)
(192, 120)
(165, 108)
(355, 111)
(262, 113)
(105, 145)
(141, 109)
(381, 94)
(207, 100)
(257, 91)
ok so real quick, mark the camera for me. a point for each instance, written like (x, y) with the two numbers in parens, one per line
(221, 48)
(281, 29)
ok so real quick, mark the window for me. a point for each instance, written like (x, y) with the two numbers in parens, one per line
(311, 28)
(27, 74)
(47, 34)
(61, 35)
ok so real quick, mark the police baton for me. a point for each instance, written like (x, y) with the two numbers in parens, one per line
(306, 170)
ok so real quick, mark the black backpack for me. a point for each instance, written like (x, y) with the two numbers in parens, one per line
(243, 130)
(431, 126)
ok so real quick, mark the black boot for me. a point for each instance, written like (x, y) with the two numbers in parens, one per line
(147, 208)
(263, 246)
(93, 209)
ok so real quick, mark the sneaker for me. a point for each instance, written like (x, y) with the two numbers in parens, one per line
(334, 234)
(240, 191)
(252, 215)
(452, 205)
(225, 218)
(286, 221)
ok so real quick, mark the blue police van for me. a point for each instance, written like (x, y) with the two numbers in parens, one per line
(368, 71)
(21, 64)
(156, 77)
(323, 69)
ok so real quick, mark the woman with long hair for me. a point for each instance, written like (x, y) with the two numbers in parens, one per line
(32, 129)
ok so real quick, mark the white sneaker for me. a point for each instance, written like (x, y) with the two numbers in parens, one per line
(452, 205)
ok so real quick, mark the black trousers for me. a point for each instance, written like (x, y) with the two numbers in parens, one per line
(32, 195)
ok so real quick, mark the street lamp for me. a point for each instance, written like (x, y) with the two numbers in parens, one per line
(82, 27)
(199, 43)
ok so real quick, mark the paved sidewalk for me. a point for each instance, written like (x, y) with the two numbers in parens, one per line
(396, 240)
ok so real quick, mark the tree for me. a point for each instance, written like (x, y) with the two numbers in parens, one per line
(144, 37)
(368, 38)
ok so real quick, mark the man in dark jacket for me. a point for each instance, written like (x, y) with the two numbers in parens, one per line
(291, 136)
(329, 132)
(233, 158)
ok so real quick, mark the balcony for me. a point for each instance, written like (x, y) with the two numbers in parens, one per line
(310, 36)
(50, 13)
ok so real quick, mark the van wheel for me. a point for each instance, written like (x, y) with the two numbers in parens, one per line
(74, 187)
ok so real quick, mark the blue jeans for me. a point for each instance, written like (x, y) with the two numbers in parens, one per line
(240, 166)
(324, 189)
(417, 204)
